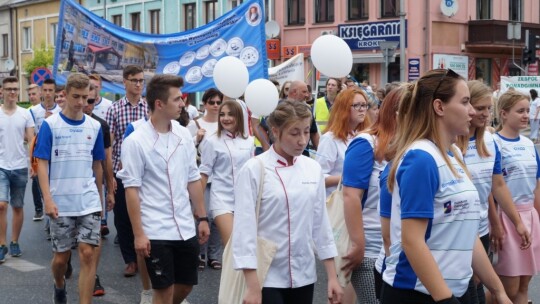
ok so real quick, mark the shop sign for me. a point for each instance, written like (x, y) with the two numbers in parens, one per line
(367, 36)
(273, 48)
(289, 51)
(459, 64)
(414, 68)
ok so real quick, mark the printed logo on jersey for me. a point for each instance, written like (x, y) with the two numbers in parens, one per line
(89, 137)
(447, 207)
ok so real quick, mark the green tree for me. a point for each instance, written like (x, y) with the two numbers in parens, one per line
(43, 57)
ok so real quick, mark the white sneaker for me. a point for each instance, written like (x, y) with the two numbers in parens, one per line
(146, 297)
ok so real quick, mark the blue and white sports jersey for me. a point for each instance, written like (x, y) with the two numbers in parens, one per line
(482, 170)
(520, 167)
(71, 146)
(385, 210)
(362, 171)
(426, 188)
(38, 114)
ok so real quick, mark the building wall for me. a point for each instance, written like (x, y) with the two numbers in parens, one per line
(5, 28)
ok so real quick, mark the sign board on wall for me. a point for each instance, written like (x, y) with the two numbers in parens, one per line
(414, 68)
(459, 64)
(366, 36)
(289, 51)
(273, 49)
(522, 84)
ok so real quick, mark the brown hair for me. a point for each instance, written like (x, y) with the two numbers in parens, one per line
(288, 112)
(238, 114)
(131, 70)
(10, 79)
(158, 88)
(77, 81)
(95, 76)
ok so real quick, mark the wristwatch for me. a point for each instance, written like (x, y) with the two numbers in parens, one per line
(203, 219)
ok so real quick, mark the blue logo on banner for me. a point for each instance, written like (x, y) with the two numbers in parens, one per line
(366, 36)
(87, 44)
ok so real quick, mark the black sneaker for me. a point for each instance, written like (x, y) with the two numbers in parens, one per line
(98, 289)
(60, 295)
(38, 216)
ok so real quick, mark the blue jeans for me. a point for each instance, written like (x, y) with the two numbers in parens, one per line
(13, 186)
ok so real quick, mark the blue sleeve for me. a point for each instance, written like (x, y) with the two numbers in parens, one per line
(358, 164)
(385, 196)
(537, 164)
(99, 147)
(129, 130)
(44, 142)
(497, 169)
(418, 180)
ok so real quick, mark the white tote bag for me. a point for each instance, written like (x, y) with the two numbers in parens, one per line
(232, 283)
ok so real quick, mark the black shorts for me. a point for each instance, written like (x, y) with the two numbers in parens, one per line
(173, 262)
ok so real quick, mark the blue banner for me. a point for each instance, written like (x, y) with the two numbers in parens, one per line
(87, 43)
(366, 36)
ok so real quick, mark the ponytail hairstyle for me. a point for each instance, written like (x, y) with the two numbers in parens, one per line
(479, 91)
(507, 101)
(417, 119)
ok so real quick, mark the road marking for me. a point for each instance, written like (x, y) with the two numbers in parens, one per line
(22, 265)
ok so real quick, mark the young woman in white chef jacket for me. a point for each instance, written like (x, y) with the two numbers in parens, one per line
(225, 152)
(292, 215)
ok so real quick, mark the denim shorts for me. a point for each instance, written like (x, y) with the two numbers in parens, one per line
(13, 186)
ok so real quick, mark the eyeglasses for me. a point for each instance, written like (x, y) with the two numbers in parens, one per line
(136, 81)
(449, 72)
(11, 89)
(213, 102)
(360, 106)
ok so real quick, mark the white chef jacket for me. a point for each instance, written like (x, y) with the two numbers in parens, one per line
(292, 215)
(222, 158)
(161, 172)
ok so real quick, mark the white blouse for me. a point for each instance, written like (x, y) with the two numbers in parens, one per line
(292, 215)
(222, 158)
(331, 155)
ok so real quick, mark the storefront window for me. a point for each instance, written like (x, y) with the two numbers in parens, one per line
(483, 70)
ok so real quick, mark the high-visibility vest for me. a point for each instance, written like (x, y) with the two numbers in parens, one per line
(321, 113)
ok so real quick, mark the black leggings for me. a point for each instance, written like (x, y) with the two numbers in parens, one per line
(300, 295)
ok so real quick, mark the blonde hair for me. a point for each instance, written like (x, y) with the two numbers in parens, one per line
(507, 101)
(77, 81)
(417, 118)
(478, 92)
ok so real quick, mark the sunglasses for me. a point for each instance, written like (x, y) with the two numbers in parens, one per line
(450, 73)
(213, 103)
(91, 100)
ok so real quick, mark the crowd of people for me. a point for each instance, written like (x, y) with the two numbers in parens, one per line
(439, 206)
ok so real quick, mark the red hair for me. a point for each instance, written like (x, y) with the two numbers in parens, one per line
(340, 114)
(385, 125)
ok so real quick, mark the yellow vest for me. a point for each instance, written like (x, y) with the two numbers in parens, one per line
(321, 113)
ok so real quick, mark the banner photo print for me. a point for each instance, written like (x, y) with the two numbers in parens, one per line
(88, 44)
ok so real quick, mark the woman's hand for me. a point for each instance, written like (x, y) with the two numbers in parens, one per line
(354, 258)
(496, 236)
(335, 292)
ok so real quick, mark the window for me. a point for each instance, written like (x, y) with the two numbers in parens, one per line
(54, 32)
(296, 13)
(483, 70)
(210, 10)
(358, 9)
(324, 11)
(136, 22)
(235, 3)
(154, 21)
(117, 19)
(189, 17)
(389, 8)
(483, 9)
(515, 12)
(27, 39)
(5, 45)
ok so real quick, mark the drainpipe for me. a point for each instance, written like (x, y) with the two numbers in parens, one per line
(402, 34)
(427, 35)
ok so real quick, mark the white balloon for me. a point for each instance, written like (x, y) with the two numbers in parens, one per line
(261, 97)
(231, 76)
(331, 56)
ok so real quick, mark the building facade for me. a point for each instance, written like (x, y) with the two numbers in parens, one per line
(465, 35)
(6, 46)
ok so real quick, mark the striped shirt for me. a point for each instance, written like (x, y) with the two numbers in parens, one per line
(119, 115)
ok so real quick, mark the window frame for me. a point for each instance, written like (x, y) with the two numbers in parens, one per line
(116, 18)
(193, 22)
(54, 33)
(480, 11)
(135, 21)
(210, 9)
(27, 39)
(155, 24)
(383, 13)
(520, 10)
(5, 45)
(301, 12)
(330, 15)
(363, 14)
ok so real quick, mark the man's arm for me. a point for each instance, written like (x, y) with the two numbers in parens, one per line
(197, 197)
(97, 167)
(109, 178)
(142, 244)
(43, 177)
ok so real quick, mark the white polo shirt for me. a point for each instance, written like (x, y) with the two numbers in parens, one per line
(161, 170)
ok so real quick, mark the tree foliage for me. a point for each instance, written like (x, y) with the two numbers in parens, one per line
(43, 57)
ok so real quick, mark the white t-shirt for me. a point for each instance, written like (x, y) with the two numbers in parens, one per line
(12, 130)
(38, 114)
(192, 111)
(101, 108)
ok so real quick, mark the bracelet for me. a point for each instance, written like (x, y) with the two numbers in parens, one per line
(203, 219)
